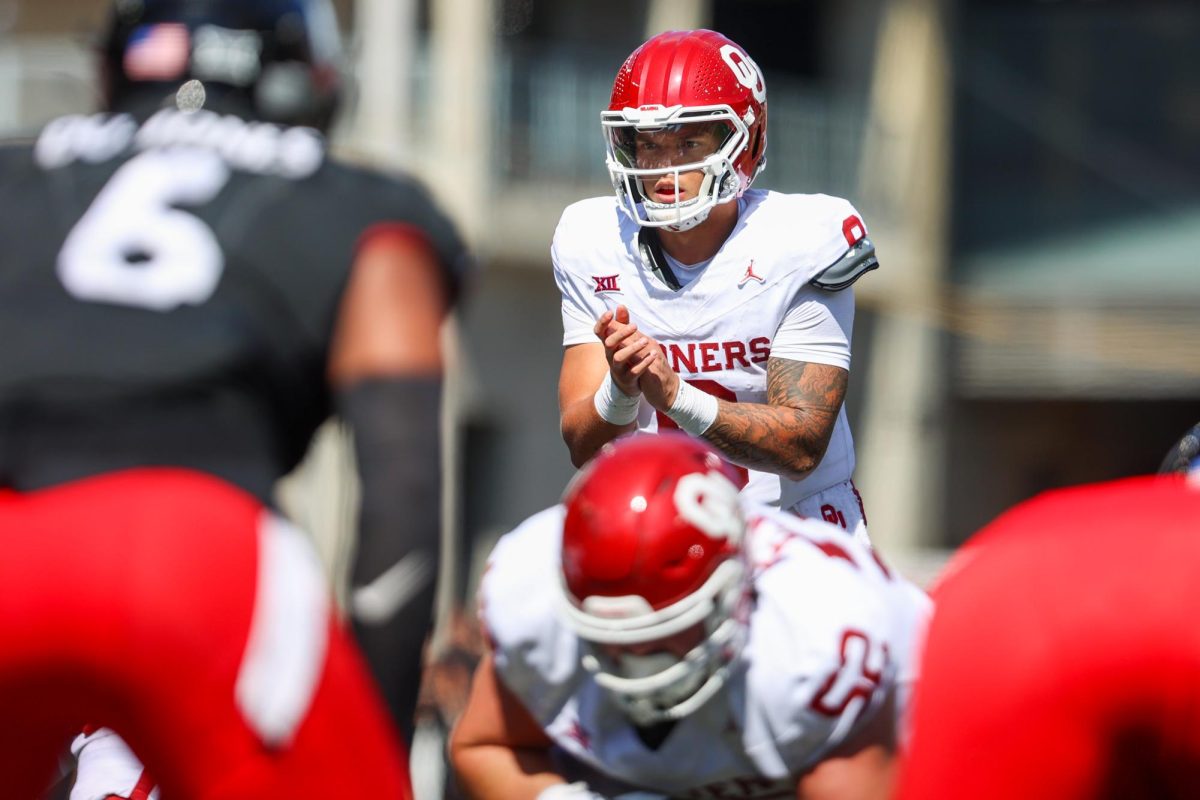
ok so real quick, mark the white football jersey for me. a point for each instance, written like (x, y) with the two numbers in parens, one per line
(717, 330)
(832, 632)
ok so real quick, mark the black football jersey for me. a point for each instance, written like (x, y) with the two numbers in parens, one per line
(168, 290)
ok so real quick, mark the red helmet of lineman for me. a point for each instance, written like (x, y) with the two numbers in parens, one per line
(654, 572)
(680, 81)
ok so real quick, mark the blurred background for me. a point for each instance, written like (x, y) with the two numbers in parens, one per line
(1029, 170)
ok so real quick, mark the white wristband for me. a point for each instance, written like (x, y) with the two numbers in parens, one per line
(568, 791)
(693, 410)
(614, 406)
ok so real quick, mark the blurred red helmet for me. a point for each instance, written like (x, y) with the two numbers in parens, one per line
(687, 78)
(652, 547)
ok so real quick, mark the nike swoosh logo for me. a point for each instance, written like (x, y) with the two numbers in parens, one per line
(378, 601)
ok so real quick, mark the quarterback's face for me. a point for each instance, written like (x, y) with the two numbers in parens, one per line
(676, 146)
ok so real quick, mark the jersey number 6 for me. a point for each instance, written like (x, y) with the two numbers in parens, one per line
(133, 247)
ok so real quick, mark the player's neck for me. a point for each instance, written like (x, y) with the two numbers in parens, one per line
(703, 241)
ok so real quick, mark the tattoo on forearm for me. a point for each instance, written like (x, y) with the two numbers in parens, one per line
(790, 432)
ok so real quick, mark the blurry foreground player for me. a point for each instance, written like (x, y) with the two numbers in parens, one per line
(1062, 661)
(659, 636)
(188, 287)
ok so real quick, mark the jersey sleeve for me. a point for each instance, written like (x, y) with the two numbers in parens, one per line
(404, 205)
(845, 691)
(817, 328)
(828, 644)
(535, 654)
(580, 303)
(305, 236)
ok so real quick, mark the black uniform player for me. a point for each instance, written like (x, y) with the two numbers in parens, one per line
(188, 281)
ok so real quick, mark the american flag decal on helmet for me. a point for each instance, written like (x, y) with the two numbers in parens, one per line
(158, 52)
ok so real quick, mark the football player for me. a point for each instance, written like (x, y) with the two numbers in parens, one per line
(691, 300)
(189, 287)
(657, 635)
(1061, 663)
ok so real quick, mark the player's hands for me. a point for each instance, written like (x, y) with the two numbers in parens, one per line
(635, 360)
(625, 347)
(108, 768)
(656, 380)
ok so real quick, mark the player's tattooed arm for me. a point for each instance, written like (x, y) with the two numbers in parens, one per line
(788, 434)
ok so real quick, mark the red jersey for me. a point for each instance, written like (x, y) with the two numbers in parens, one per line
(1063, 660)
(180, 611)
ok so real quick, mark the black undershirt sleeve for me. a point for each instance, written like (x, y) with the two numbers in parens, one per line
(396, 426)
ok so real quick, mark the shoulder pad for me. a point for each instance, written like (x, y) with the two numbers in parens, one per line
(856, 261)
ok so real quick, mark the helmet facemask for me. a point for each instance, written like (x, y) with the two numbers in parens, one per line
(654, 685)
(629, 135)
(654, 576)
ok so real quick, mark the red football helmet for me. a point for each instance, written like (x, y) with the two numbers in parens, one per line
(652, 549)
(698, 79)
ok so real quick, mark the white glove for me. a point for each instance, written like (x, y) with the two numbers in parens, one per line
(569, 791)
(106, 766)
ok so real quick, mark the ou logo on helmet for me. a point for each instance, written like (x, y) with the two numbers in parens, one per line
(710, 502)
(746, 71)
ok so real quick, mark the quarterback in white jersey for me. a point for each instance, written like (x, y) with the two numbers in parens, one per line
(658, 636)
(691, 301)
